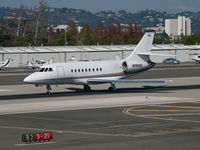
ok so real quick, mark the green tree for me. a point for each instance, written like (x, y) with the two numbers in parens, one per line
(192, 40)
(60, 41)
(1, 38)
(104, 40)
(87, 36)
(134, 40)
(158, 40)
(21, 41)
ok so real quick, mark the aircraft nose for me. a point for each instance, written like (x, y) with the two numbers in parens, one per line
(29, 79)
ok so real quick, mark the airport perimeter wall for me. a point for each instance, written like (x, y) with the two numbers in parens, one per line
(21, 55)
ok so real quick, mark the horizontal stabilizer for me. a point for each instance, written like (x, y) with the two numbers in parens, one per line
(149, 53)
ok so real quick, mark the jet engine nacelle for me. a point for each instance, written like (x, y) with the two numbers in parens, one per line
(128, 66)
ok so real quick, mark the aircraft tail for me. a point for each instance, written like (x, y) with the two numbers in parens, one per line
(51, 60)
(6, 63)
(144, 46)
(143, 49)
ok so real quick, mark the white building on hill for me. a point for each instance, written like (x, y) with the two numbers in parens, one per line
(65, 28)
(177, 27)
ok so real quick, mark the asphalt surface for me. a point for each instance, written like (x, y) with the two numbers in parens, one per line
(139, 122)
(153, 127)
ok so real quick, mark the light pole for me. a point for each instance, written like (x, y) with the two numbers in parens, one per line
(65, 37)
(181, 35)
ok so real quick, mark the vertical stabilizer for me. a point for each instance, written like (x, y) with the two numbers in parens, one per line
(6, 63)
(144, 46)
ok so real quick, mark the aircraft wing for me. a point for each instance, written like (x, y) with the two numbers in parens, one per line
(95, 81)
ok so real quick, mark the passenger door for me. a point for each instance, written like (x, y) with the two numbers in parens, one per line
(60, 72)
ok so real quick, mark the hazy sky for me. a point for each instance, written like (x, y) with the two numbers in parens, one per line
(128, 5)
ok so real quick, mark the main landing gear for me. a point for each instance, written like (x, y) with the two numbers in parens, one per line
(112, 88)
(87, 88)
(48, 87)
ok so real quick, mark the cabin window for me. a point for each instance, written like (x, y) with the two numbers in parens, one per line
(85, 70)
(50, 69)
(100, 69)
(72, 70)
(97, 69)
(93, 69)
(89, 70)
(42, 69)
(82, 70)
(75, 70)
(79, 70)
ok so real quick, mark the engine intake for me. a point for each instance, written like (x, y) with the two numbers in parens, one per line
(131, 66)
(125, 66)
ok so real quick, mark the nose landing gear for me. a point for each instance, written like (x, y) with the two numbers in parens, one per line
(48, 87)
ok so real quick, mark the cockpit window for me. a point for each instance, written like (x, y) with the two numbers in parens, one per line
(46, 69)
(41, 70)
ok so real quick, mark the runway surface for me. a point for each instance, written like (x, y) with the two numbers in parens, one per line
(147, 117)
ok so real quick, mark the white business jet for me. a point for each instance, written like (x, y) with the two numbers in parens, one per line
(98, 72)
(39, 63)
(36, 64)
(5, 63)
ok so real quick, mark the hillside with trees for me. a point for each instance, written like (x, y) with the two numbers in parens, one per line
(33, 26)
(146, 18)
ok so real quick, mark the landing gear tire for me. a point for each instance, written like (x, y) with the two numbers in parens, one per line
(87, 88)
(48, 93)
(112, 88)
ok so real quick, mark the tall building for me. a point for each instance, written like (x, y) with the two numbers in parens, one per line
(181, 25)
(188, 26)
(178, 27)
(171, 27)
